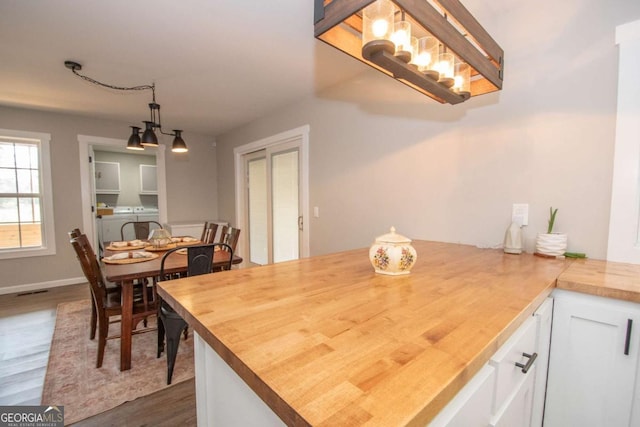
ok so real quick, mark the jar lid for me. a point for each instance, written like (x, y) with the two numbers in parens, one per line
(392, 237)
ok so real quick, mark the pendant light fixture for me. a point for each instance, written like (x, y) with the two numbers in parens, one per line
(435, 47)
(149, 138)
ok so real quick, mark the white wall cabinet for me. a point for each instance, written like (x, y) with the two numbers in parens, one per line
(107, 176)
(593, 363)
(148, 179)
(501, 394)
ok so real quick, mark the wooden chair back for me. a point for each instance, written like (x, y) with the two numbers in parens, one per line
(74, 233)
(141, 229)
(230, 236)
(209, 232)
(91, 270)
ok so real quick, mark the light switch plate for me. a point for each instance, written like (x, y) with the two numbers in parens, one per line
(520, 213)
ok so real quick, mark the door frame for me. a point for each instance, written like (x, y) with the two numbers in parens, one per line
(301, 133)
(86, 144)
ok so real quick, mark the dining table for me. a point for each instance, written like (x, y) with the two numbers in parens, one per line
(126, 274)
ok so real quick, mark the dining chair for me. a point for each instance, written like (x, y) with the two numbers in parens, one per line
(209, 232)
(109, 287)
(141, 229)
(230, 236)
(170, 323)
(108, 303)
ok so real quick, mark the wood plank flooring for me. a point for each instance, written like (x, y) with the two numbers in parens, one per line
(26, 328)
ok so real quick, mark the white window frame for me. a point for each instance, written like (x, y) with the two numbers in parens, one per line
(48, 236)
(624, 220)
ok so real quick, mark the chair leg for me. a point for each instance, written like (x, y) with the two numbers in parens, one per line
(173, 330)
(102, 340)
(160, 337)
(94, 320)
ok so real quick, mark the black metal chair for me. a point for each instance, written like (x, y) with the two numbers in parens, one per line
(170, 323)
(141, 229)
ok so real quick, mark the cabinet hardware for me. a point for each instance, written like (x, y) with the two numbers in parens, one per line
(627, 341)
(532, 358)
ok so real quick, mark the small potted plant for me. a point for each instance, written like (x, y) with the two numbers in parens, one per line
(550, 243)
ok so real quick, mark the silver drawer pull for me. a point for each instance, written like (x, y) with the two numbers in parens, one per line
(532, 358)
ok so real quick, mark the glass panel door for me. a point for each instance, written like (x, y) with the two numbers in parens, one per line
(284, 176)
(272, 203)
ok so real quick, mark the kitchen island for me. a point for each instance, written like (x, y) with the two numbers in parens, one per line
(326, 341)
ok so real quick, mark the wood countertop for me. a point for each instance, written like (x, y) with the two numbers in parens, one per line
(603, 278)
(326, 341)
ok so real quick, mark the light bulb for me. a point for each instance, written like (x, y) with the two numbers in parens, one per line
(457, 82)
(422, 59)
(379, 28)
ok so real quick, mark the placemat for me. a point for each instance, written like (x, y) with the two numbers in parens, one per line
(160, 249)
(124, 248)
(129, 260)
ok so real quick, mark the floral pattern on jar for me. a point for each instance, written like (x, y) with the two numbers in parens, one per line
(406, 260)
(381, 258)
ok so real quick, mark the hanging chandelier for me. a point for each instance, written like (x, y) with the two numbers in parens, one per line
(148, 138)
(433, 46)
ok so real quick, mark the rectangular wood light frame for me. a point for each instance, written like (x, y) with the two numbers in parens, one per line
(339, 24)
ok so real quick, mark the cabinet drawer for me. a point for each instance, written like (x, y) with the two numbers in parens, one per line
(509, 376)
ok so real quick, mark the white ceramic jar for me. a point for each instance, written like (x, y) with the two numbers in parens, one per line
(392, 254)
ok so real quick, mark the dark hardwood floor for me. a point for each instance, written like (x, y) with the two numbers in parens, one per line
(26, 328)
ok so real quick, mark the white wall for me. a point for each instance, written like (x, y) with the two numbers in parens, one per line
(191, 189)
(382, 154)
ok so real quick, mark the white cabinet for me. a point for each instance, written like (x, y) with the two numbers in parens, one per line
(107, 177)
(148, 179)
(593, 363)
(471, 407)
(509, 389)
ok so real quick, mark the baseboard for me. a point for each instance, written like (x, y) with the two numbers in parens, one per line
(40, 286)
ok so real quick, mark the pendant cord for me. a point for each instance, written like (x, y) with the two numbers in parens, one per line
(152, 87)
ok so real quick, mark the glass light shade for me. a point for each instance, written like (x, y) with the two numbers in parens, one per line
(445, 67)
(401, 38)
(377, 24)
(426, 56)
(134, 139)
(462, 79)
(159, 237)
(179, 146)
(149, 138)
(414, 50)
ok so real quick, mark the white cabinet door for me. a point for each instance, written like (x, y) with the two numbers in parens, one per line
(593, 361)
(517, 412)
(107, 177)
(148, 179)
(471, 407)
(544, 318)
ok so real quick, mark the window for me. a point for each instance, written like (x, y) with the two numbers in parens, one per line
(26, 208)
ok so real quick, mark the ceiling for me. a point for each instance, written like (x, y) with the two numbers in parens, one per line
(216, 64)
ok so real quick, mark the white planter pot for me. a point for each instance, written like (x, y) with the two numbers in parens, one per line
(554, 244)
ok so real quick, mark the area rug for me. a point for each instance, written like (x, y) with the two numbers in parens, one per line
(73, 380)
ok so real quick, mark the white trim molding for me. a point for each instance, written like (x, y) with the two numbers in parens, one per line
(49, 236)
(624, 220)
(29, 287)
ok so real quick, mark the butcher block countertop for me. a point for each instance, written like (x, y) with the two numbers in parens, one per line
(603, 278)
(326, 341)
